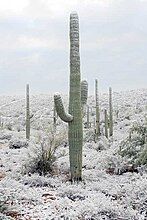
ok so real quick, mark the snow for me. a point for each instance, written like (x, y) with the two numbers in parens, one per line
(100, 195)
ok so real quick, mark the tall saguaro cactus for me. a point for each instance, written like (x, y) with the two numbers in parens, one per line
(97, 131)
(27, 113)
(106, 123)
(110, 113)
(74, 117)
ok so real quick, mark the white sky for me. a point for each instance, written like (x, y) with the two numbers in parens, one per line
(34, 44)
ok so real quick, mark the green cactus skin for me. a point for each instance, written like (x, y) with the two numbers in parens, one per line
(97, 130)
(106, 123)
(74, 118)
(60, 109)
(27, 113)
(110, 113)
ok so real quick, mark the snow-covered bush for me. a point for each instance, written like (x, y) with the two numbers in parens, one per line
(134, 147)
(5, 136)
(42, 155)
(5, 207)
(18, 143)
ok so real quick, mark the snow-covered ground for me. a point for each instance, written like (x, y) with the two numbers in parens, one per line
(101, 194)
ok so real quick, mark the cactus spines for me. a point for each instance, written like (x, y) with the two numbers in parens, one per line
(97, 130)
(110, 113)
(106, 123)
(74, 118)
(27, 113)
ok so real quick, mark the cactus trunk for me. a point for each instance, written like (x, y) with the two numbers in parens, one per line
(110, 113)
(106, 123)
(75, 132)
(74, 117)
(97, 130)
(27, 113)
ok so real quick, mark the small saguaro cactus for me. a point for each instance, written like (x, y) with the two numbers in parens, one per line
(88, 122)
(106, 123)
(74, 117)
(27, 113)
(97, 130)
(110, 113)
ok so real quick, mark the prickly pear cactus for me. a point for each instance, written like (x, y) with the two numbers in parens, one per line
(74, 117)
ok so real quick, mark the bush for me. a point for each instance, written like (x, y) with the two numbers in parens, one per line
(17, 143)
(134, 147)
(42, 155)
(5, 207)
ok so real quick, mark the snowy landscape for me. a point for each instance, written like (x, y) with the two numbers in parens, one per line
(113, 186)
(81, 155)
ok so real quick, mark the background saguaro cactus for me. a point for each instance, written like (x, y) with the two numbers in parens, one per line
(106, 123)
(88, 122)
(74, 117)
(97, 130)
(110, 113)
(27, 113)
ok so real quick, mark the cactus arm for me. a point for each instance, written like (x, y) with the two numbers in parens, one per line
(60, 109)
(84, 92)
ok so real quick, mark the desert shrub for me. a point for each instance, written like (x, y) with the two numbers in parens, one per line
(134, 147)
(89, 135)
(5, 136)
(43, 154)
(18, 143)
(9, 126)
(5, 207)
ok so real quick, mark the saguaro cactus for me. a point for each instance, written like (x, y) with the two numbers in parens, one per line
(27, 113)
(97, 130)
(88, 122)
(110, 113)
(106, 123)
(74, 117)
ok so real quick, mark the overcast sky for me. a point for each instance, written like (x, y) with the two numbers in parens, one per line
(34, 44)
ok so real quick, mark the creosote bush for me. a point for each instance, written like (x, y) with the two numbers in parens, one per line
(134, 147)
(42, 155)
